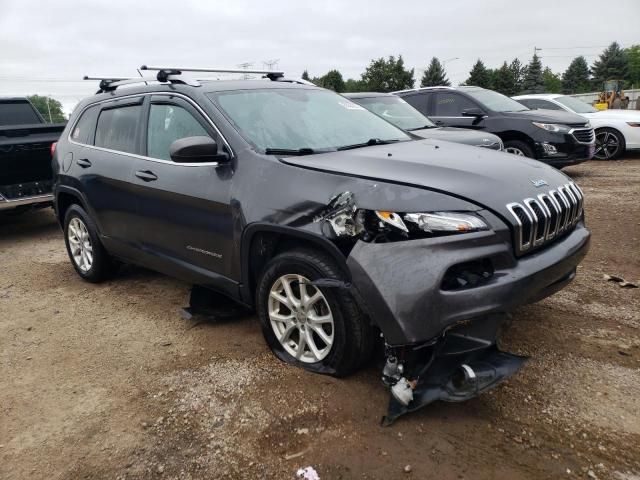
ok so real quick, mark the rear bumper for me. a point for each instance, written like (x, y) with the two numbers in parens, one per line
(19, 202)
(400, 285)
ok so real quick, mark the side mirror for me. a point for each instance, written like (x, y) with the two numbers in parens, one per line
(196, 150)
(473, 112)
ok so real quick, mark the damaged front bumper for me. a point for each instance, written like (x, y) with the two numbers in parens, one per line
(417, 289)
(440, 304)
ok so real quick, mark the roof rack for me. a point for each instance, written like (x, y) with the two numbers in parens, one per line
(175, 75)
(270, 74)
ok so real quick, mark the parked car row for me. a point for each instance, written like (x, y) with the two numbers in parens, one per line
(338, 227)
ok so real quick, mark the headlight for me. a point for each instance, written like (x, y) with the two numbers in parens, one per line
(633, 124)
(553, 127)
(450, 222)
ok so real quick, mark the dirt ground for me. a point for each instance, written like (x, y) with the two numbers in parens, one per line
(109, 381)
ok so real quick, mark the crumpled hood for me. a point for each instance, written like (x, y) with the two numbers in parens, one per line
(485, 177)
(546, 116)
(458, 135)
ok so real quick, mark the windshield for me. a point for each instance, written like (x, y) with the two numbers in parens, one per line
(496, 101)
(295, 118)
(578, 106)
(395, 110)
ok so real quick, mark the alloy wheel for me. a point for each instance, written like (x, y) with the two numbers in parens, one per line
(607, 145)
(301, 318)
(80, 244)
(515, 151)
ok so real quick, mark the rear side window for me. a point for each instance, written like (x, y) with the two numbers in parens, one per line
(83, 131)
(117, 128)
(418, 101)
(539, 104)
(168, 123)
(17, 112)
(451, 105)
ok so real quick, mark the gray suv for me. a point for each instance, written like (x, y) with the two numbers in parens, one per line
(347, 235)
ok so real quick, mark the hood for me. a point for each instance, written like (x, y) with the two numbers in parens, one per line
(458, 135)
(628, 115)
(546, 116)
(485, 177)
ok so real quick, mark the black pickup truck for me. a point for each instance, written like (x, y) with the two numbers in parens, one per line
(26, 145)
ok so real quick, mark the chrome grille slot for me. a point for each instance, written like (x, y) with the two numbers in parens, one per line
(539, 220)
(584, 135)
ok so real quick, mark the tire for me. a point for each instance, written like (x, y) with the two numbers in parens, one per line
(516, 147)
(610, 144)
(89, 258)
(348, 338)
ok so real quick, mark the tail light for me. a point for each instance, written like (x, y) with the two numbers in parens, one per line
(53, 148)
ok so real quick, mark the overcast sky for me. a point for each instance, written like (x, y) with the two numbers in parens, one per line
(45, 47)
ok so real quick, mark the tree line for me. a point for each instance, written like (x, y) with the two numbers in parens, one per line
(511, 78)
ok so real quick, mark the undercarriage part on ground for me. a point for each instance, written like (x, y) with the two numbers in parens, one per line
(460, 365)
(212, 305)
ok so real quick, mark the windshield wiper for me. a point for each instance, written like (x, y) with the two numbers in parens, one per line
(368, 143)
(289, 151)
(421, 128)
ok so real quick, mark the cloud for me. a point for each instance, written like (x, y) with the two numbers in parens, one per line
(47, 47)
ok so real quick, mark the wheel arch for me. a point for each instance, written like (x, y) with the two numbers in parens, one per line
(65, 197)
(261, 242)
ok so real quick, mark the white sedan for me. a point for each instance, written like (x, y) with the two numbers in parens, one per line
(616, 130)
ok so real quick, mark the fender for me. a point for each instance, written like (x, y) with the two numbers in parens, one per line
(79, 196)
(318, 240)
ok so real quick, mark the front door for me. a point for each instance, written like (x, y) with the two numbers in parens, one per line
(446, 110)
(184, 223)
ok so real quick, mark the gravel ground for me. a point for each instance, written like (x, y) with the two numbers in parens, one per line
(109, 381)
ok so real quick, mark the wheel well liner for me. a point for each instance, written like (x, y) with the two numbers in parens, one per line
(65, 197)
(261, 242)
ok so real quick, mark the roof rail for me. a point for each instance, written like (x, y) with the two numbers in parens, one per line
(270, 74)
(109, 84)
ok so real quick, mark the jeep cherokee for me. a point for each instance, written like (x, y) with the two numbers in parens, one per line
(335, 225)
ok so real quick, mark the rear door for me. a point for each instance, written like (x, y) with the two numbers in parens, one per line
(184, 222)
(103, 158)
(446, 110)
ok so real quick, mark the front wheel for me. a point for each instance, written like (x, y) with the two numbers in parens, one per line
(610, 144)
(516, 147)
(320, 329)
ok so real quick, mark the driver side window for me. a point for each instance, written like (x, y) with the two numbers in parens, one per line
(168, 123)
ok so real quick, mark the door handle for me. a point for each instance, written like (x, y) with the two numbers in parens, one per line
(439, 122)
(83, 162)
(146, 175)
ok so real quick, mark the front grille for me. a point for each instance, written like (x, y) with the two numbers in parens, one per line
(584, 135)
(540, 220)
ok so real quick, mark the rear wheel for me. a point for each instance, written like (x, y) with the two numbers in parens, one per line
(610, 144)
(516, 147)
(87, 255)
(320, 329)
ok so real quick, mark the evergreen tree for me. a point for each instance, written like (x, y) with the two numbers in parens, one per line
(517, 71)
(305, 75)
(612, 64)
(435, 75)
(479, 76)
(552, 81)
(387, 75)
(575, 79)
(504, 81)
(534, 81)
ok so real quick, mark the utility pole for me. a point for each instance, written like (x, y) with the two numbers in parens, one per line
(245, 66)
(49, 109)
(269, 64)
(536, 50)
